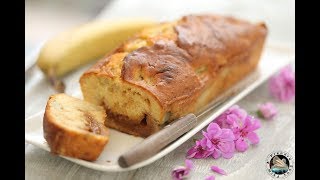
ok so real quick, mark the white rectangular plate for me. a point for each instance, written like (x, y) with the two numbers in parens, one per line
(273, 58)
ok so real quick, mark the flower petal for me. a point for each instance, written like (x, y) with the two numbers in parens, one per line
(253, 138)
(253, 125)
(206, 135)
(226, 135)
(181, 172)
(236, 132)
(218, 170)
(197, 152)
(221, 121)
(231, 118)
(241, 145)
(210, 178)
(282, 85)
(216, 154)
(214, 129)
(247, 122)
(256, 124)
(192, 152)
(241, 113)
(189, 164)
(203, 142)
(267, 110)
(206, 143)
(226, 147)
(209, 144)
(178, 173)
(227, 155)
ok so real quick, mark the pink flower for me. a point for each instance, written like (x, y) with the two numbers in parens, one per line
(216, 142)
(231, 116)
(219, 141)
(267, 110)
(210, 178)
(239, 130)
(282, 85)
(245, 131)
(218, 170)
(242, 126)
(200, 150)
(181, 172)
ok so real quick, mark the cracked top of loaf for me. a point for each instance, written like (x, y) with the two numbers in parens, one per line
(175, 60)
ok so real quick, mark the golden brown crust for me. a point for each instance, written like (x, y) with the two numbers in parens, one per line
(163, 70)
(69, 141)
(213, 41)
(184, 65)
(106, 67)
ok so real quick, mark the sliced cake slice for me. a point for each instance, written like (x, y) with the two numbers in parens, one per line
(75, 128)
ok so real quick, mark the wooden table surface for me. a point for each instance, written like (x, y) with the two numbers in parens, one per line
(278, 134)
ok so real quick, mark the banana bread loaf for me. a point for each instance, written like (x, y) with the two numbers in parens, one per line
(169, 70)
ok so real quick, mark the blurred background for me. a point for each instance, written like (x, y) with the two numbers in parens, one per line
(45, 18)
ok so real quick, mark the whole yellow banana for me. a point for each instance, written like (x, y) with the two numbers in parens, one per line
(71, 49)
